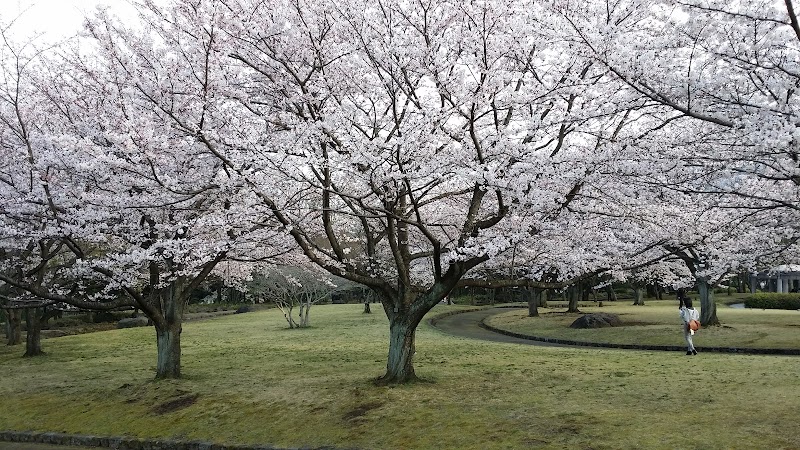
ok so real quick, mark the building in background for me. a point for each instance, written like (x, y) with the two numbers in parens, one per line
(784, 278)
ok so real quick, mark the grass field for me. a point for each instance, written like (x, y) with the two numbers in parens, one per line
(250, 380)
(658, 323)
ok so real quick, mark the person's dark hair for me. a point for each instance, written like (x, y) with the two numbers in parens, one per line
(687, 302)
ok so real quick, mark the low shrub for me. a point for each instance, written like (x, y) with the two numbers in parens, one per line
(244, 309)
(770, 300)
(69, 321)
(212, 307)
(133, 322)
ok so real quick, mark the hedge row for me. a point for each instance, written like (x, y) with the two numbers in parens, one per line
(773, 301)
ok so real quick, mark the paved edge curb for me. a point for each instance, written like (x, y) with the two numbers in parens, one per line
(432, 321)
(127, 443)
(670, 348)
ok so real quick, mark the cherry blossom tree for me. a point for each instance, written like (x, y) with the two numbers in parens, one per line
(292, 288)
(727, 71)
(137, 213)
(721, 78)
(429, 138)
(26, 249)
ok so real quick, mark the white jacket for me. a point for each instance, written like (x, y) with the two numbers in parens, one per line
(688, 314)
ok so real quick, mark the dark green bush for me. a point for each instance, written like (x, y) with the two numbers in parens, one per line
(770, 300)
(69, 321)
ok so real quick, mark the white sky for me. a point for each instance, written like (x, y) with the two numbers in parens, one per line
(55, 18)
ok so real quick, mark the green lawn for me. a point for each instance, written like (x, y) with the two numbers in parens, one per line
(658, 323)
(250, 380)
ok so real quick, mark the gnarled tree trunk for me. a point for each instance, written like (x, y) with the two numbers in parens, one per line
(708, 309)
(405, 314)
(400, 364)
(33, 340)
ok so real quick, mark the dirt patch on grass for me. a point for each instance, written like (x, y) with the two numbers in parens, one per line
(361, 410)
(175, 404)
(570, 428)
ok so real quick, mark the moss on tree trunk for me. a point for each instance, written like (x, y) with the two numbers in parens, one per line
(400, 364)
(168, 340)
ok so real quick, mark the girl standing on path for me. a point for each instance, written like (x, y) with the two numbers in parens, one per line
(688, 313)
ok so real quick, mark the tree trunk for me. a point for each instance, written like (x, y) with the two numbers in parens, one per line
(50, 313)
(741, 282)
(33, 340)
(611, 296)
(168, 330)
(287, 308)
(573, 296)
(532, 296)
(290, 316)
(548, 295)
(301, 315)
(305, 309)
(638, 295)
(400, 365)
(708, 309)
(366, 308)
(13, 326)
(168, 340)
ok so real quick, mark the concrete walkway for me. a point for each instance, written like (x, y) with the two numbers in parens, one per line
(470, 325)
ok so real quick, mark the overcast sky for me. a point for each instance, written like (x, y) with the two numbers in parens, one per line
(55, 18)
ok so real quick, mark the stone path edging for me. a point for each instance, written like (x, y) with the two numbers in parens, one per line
(127, 443)
(744, 350)
(441, 316)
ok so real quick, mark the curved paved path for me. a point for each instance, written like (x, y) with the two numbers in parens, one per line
(470, 325)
